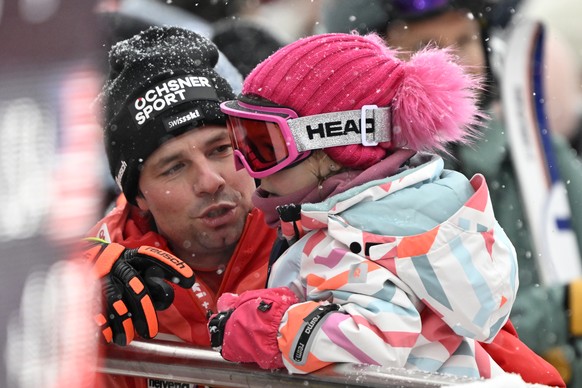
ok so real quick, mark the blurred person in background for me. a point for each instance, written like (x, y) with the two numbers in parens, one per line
(51, 189)
(546, 318)
(286, 20)
(563, 17)
(185, 214)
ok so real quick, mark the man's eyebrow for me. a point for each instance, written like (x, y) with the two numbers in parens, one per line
(167, 160)
(217, 135)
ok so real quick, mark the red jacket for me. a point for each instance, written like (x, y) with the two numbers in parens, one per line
(247, 269)
(187, 316)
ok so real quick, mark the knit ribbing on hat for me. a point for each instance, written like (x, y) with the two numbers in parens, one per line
(336, 72)
(161, 84)
(327, 73)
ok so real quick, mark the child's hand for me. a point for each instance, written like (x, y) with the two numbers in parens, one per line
(246, 328)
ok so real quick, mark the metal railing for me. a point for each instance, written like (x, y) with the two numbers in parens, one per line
(174, 361)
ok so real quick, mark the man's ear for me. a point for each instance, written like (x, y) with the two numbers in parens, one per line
(142, 203)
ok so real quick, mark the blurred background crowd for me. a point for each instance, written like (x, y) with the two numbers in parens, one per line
(54, 182)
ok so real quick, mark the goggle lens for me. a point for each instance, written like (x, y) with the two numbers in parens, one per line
(413, 8)
(261, 143)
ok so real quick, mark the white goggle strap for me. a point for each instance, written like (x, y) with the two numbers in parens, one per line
(342, 128)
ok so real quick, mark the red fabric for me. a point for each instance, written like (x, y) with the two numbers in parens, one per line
(514, 356)
(251, 332)
(187, 317)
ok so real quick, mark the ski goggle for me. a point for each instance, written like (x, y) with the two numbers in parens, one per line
(268, 139)
(411, 10)
(419, 6)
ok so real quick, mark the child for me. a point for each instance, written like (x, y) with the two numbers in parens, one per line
(394, 260)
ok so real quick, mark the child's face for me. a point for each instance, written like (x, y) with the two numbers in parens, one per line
(456, 29)
(305, 174)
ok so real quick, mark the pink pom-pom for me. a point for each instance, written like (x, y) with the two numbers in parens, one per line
(436, 103)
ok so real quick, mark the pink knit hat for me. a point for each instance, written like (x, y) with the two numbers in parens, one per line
(433, 100)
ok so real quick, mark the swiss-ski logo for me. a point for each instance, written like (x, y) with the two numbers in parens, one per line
(182, 119)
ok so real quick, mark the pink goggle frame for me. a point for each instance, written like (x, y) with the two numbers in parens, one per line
(268, 139)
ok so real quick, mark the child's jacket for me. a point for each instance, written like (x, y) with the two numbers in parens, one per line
(419, 266)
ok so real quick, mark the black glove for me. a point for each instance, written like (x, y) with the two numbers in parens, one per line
(134, 286)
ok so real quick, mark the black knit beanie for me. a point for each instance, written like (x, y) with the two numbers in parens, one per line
(161, 84)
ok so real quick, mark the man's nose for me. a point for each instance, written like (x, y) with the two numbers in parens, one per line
(207, 179)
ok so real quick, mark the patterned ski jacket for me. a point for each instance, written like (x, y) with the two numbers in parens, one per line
(419, 267)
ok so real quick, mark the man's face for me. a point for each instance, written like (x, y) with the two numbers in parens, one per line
(456, 29)
(196, 197)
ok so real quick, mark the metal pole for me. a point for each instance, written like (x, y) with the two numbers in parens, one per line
(175, 361)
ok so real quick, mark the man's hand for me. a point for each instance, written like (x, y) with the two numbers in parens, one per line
(134, 287)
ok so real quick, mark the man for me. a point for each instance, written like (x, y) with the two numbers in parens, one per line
(540, 314)
(169, 151)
